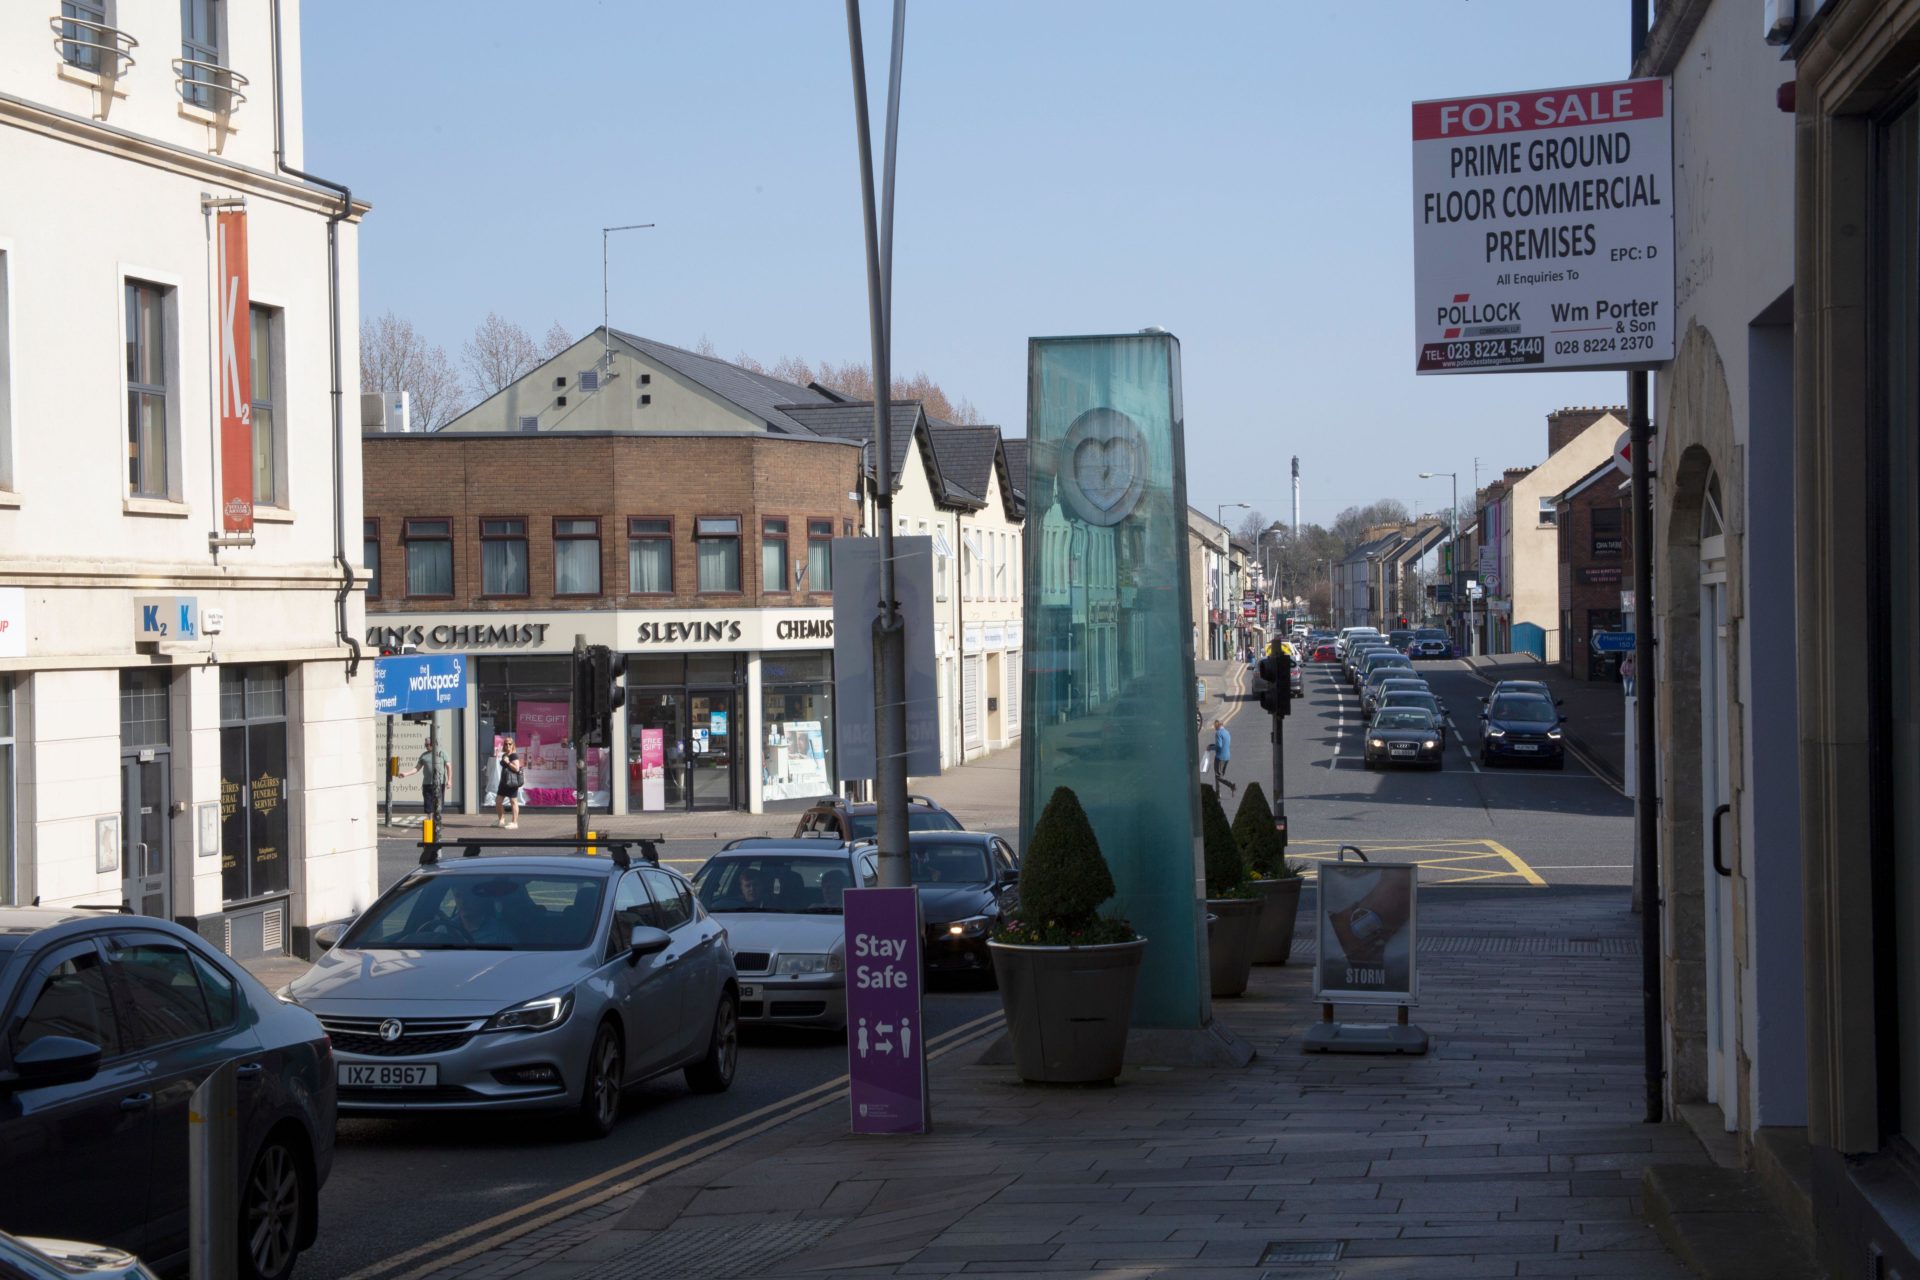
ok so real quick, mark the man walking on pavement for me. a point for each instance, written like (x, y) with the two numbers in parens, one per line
(1222, 753)
(432, 762)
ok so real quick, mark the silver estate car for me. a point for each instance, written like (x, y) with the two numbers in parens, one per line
(526, 981)
(780, 901)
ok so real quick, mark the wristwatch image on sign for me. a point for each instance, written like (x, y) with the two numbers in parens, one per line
(1103, 467)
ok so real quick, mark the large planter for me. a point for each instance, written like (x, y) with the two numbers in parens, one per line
(1281, 905)
(1230, 940)
(1068, 1008)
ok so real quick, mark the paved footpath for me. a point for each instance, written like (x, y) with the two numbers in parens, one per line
(1513, 1149)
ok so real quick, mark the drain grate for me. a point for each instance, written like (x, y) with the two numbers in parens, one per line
(1299, 1253)
(718, 1251)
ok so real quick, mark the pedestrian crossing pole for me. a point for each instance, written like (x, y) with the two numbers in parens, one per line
(1276, 668)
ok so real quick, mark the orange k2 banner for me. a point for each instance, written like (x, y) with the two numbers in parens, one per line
(236, 376)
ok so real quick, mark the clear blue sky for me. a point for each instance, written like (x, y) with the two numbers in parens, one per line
(1236, 172)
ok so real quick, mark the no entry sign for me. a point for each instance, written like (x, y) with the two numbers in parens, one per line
(1543, 229)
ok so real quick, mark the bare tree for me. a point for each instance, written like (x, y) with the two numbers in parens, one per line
(706, 348)
(395, 357)
(748, 363)
(497, 354)
(556, 341)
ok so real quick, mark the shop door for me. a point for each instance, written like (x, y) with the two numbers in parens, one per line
(1722, 977)
(146, 858)
(711, 732)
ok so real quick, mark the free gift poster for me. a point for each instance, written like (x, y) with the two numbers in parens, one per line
(543, 731)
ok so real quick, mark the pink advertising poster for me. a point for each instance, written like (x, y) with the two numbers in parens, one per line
(543, 732)
(653, 770)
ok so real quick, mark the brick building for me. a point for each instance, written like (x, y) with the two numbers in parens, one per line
(1593, 572)
(702, 557)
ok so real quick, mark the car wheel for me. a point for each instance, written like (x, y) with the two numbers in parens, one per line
(273, 1202)
(1366, 762)
(600, 1092)
(1559, 762)
(1486, 759)
(713, 1073)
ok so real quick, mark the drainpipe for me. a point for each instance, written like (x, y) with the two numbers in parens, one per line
(333, 329)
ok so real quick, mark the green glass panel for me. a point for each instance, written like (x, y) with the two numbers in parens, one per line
(1109, 659)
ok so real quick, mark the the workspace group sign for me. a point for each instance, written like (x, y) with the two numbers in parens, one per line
(1543, 229)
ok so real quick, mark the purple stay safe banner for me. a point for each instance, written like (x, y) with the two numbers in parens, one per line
(886, 1036)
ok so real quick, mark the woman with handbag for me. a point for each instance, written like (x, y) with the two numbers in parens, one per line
(511, 778)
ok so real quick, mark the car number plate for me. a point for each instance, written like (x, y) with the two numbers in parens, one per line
(749, 991)
(1402, 751)
(1525, 746)
(381, 1075)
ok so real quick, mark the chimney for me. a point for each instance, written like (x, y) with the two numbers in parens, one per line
(1564, 424)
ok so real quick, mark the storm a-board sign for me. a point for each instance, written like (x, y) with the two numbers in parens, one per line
(1543, 230)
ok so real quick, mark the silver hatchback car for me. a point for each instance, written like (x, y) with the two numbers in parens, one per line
(526, 981)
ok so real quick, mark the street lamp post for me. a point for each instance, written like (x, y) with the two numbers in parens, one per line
(1453, 536)
(1226, 549)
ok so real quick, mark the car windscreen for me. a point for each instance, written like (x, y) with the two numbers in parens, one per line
(1403, 718)
(867, 825)
(788, 883)
(1398, 662)
(1400, 637)
(1524, 710)
(482, 911)
(1429, 633)
(1409, 698)
(950, 862)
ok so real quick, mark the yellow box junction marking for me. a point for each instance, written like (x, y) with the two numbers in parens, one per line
(1440, 861)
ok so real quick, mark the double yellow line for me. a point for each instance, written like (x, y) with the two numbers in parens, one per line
(605, 1185)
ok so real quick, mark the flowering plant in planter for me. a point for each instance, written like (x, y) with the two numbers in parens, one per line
(1063, 880)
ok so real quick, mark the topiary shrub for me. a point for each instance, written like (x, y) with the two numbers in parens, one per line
(1259, 842)
(1063, 880)
(1226, 873)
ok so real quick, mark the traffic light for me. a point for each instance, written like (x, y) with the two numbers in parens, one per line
(1277, 670)
(599, 689)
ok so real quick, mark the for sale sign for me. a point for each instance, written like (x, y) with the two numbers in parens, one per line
(1543, 229)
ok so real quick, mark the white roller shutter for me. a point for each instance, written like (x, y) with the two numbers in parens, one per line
(1011, 684)
(970, 701)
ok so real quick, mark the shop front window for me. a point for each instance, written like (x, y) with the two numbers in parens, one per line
(796, 721)
(531, 701)
(253, 782)
(685, 732)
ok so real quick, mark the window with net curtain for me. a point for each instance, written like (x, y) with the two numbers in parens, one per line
(717, 552)
(429, 549)
(820, 554)
(650, 555)
(773, 553)
(503, 557)
(576, 556)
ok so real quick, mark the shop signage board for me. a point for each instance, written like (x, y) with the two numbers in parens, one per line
(166, 619)
(653, 770)
(418, 682)
(1543, 229)
(13, 622)
(236, 375)
(1367, 933)
(856, 583)
(886, 1036)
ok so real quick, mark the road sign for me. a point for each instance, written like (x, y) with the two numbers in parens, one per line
(419, 682)
(1613, 642)
(1543, 229)
(886, 1034)
(1475, 591)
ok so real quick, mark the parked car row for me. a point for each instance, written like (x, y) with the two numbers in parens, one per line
(494, 976)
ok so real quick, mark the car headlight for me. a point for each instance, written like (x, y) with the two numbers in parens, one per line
(1554, 734)
(534, 1015)
(829, 962)
(971, 927)
(1431, 743)
(1377, 742)
(1496, 733)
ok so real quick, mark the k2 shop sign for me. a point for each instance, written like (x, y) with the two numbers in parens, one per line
(1543, 230)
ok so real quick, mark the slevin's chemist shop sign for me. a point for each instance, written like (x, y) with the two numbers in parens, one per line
(1543, 230)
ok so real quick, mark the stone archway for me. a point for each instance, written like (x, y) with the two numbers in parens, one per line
(1696, 440)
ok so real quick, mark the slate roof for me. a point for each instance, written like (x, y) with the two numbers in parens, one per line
(1016, 451)
(761, 394)
(968, 455)
(853, 420)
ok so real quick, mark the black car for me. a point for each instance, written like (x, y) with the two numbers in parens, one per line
(110, 1023)
(967, 879)
(1404, 735)
(842, 821)
(1522, 727)
(1400, 639)
(1406, 693)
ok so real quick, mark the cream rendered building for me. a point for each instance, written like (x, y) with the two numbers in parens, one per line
(217, 772)
(1528, 595)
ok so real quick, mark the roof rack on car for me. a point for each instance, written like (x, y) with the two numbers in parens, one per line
(616, 847)
(913, 799)
(119, 908)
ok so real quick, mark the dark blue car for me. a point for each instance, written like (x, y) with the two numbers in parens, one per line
(1522, 727)
(108, 1023)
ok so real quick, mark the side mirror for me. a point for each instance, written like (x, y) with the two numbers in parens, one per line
(645, 940)
(328, 936)
(1559, 702)
(53, 1060)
